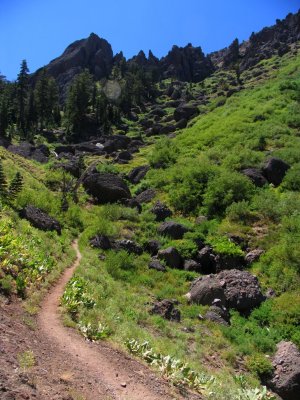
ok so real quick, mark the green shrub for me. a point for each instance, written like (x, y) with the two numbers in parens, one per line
(226, 189)
(239, 212)
(291, 180)
(164, 153)
(259, 364)
(223, 245)
(120, 264)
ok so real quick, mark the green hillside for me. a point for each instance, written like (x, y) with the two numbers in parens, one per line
(196, 172)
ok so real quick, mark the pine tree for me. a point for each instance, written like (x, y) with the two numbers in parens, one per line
(22, 86)
(15, 186)
(3, 182)
(78, 101)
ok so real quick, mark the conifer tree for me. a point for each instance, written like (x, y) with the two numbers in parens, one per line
(15, 186)
(22, 88)
(78, 101)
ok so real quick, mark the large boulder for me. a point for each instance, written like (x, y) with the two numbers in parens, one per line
(146, 196)
(207, 260)
(152, 246)
(256, 176)
(166, 309)
(192, 265)
(128, 245)
(171, 257)
(285, 380)
(172, 229)
(27, 150)
(227, 261)
(138, 173)
(185, 111)
(40, 219)
(275, 170)
(101, 242)
(106, 187)
(161, 211)
(236, 289)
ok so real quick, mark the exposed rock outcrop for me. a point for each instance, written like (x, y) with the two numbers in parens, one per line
(167, 310)
(236, 289)
(285, 380)
(106, 187)
(39, 219)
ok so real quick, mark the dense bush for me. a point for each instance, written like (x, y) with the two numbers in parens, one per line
(224, 190)
(164, 153)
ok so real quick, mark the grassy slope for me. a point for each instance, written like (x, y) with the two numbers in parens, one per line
(259, 121)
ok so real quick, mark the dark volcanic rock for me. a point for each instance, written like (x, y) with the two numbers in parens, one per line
(152, 247)
(128, 245)
(92, 53)
(285, 379)
(105, 187)
(218, 313)
(172, 229)
(146, 196)
(185, 112)
(192, 265)
(171, 257)
(100, 242)
(167, 310)
(161, 211)
(138, 173)
(253, 256)
(207, 260)
(236, 289)
(275, 170)
(40, 219)
(224, 261)
(268, 42)
(186, 64)
(156, 264)
(256, 176)
(27, 150)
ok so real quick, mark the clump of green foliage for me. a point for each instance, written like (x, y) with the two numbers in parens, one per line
(75, 296)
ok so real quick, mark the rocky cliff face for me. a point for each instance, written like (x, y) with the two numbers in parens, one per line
(182, 63)
(92, 53)
(186, 64)
(277, 39)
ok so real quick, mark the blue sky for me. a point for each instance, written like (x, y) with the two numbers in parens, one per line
(39, 30)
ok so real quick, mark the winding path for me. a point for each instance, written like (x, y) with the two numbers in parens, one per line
(105, 373)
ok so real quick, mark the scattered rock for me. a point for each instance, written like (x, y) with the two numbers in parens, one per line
(106, 187)
(225, 261)
(40, 153)
(100, 242)
(275, 170)
(285, 380)
(138, 173)
(192, 265)
(167, 310)
(161, 211)
(146, 196)
(236, 289)
(152, 247)
(218, 313)
(128, 245)
(172, 229)
(171, 257)
(156, 264)
(201, 219)
(185, 111)
(253, 256)
(256, 176)
(207, 260)
(40, 219)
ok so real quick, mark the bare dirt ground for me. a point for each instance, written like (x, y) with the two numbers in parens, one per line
(66, 366)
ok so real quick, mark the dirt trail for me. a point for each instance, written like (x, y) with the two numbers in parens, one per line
(105, 373)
